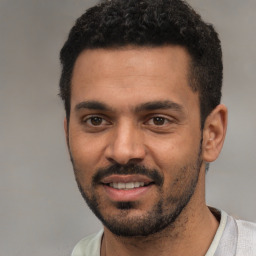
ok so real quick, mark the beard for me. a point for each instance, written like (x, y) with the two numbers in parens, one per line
(162, 214)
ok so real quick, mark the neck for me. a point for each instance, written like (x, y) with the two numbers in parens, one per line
(191, 234)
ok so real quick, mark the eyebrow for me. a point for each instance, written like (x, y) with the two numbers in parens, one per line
(154, 105)
(92, 105)
(148, 106)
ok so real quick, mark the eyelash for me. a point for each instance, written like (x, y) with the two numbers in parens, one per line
(103, 118)
(159, 119)
(90, 118)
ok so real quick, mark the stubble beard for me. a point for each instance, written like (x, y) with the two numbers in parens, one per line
(162, 215)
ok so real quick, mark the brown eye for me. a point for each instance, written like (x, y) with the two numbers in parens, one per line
(95, 123)
(96, 120)
(159, 120)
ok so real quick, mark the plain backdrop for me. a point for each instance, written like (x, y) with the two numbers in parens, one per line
(41, 210)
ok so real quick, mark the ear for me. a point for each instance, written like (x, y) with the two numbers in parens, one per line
(214, 133)
(66, 130)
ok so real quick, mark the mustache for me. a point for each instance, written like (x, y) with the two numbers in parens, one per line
(128, 169)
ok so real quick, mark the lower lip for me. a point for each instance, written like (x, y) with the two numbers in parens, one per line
(120, 195)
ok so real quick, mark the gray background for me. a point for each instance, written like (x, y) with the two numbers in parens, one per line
(41, 210)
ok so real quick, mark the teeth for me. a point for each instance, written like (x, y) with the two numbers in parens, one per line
(126, 186)
(120, 185)
(129, 185)
(136, 184)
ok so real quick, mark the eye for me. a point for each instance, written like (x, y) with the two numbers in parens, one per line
(158, 121)
(95, 121)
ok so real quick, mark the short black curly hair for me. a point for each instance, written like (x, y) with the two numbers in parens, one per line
(151, 23)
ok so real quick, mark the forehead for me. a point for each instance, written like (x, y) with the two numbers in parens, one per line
(132, 75)
(159, 61)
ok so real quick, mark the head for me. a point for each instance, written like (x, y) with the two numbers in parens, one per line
(152, 23)
(141, 83)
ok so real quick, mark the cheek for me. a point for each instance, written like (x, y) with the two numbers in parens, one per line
(86, 158)
(173, 150)
(86, 152)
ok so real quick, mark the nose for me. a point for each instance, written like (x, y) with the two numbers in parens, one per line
(126, 145)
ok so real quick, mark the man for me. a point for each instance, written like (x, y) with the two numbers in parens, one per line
(141, 83)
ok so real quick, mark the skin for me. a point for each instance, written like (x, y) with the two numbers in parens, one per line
(125, 80)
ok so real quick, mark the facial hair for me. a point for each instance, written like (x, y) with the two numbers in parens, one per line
(160, 216)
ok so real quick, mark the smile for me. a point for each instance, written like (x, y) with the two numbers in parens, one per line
(126, 186)
(123, 188)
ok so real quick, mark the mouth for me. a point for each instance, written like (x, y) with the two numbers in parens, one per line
(127, 187)
(126, 182)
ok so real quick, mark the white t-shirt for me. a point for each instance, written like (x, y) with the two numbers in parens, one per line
(233, 238)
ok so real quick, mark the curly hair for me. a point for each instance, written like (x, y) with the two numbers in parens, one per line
(151, 23)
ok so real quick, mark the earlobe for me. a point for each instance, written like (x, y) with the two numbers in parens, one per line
(214, 133)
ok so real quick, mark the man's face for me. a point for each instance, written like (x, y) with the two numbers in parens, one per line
(134, 136)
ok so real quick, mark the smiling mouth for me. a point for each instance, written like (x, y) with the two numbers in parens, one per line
(126, 182)
(124, 188)
(128, 185)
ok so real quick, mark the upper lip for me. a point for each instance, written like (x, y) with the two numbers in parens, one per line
(117, 178)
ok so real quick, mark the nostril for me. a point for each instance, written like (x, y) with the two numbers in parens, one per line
(125, 144)
(130, 161)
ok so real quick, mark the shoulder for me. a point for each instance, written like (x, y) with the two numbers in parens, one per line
(246, 242)
(233, 237)
(88, 246)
